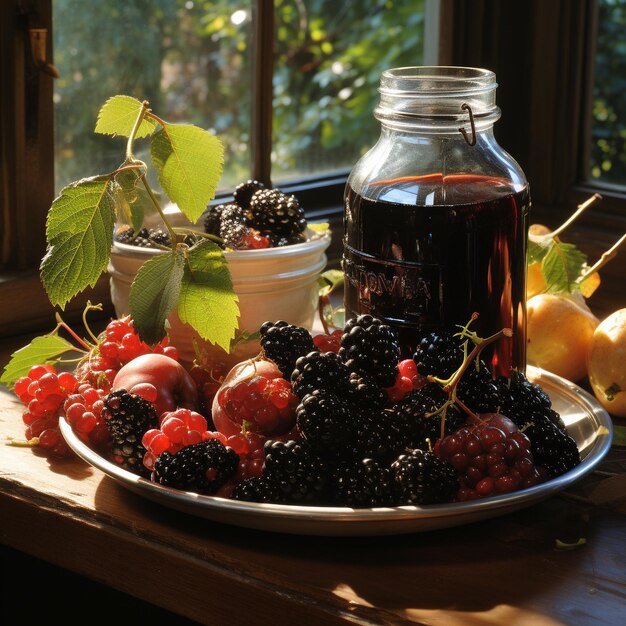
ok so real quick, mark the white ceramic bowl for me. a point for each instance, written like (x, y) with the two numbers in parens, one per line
(272, 284)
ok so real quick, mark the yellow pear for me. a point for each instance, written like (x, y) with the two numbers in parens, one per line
(559, 330)
(606, 363)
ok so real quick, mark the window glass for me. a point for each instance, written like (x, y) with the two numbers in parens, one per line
(189, 58)
(329, 57)
(608, 135)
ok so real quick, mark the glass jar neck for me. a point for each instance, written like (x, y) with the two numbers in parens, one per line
(436, 100)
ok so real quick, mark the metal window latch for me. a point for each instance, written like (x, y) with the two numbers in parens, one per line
(38, 37)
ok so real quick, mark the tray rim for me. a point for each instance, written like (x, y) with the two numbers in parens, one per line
(321, 519)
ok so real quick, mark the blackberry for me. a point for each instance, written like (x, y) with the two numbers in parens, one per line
(212, 219)
(127, 417)
(522, 399)
(552, 449)
(191, 239)
(283, 343)
(478, 391)
(257, 489)
(365, 483)
(272, 211)
(423, 478)
(160, 237)
(231, 213)
(319, 370)
(419, 418)
(296, 470)
(326, 423)
(278, 241)
(371, 348)
(233, 234)
(364, 393)
(379, 436)
(125, 235)
(200, 467)
(244, 192)
(438, 354)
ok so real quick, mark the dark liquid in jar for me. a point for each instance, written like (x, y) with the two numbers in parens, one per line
(429, 266)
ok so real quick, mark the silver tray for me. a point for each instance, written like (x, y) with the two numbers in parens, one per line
(587, 422)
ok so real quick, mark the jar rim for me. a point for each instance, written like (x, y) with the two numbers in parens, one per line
(440, 80)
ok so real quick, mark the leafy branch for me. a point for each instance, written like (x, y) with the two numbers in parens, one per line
(194, 280)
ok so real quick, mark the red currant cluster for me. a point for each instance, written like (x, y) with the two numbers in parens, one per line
(328, 343)
(407, 380)
(491, 457)
(120, 344)
(83, 411)
(43, 391)
(261, 404)
(179, 428)
(250, 448)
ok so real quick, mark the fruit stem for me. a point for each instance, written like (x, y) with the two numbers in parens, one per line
(322, 303)
(62, 324)
(133, 133)
(607, 256)
(451, 384)
(90, 307)
(198, 233)
(579, 211)
(22, 443)
(157, 205)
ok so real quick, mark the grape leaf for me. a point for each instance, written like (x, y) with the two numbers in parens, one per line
(189, 163)
(39, 350)
(118, 115)
(207, 300)
(537, 249)
(562, 266)
(80, 233)
(154, 294)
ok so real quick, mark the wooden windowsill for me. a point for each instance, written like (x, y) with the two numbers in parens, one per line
(505, 570)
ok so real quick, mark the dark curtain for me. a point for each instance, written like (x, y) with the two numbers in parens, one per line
(538, 50)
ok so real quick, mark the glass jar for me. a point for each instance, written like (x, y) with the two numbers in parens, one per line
(436, 214)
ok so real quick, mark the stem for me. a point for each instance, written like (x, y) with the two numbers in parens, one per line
(452, 383)
(22, 443)
(604, 259)
(170, 230)
(90, 307)
(133, 132)
(82, 342)
(321, 305)
(198, 233)
(581, 209)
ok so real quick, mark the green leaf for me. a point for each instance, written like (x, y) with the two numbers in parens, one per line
(562, 266)
(189, 162)
(40, 350)
(537, 250)
(329, 281)
(154, 294)
(207, 300)
(319, 227)
(80, 233)
(118, 115)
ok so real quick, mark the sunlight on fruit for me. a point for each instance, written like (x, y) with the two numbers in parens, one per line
(558, 334)
(535, 282)
(607, 363)
(590, 284)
